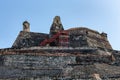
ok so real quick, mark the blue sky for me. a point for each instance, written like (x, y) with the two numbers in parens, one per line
(100, 15)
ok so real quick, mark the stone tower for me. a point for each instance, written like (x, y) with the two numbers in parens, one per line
(56, 26)
(26, 26)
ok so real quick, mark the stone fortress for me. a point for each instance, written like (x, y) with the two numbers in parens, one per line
(73, 54)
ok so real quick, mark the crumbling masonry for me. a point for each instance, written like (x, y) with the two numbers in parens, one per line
(73, 54)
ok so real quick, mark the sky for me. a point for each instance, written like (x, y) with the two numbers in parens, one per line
(100, 15)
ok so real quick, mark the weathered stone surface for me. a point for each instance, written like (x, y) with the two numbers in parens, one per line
(29, 39)
(78, 37)
(23, 65)
(117, 58)
(82, 36)
(26, 26)
(88, 56)
(37, 61)
(56, 26)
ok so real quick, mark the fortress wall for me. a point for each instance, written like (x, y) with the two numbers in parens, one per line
(29, 39)
(87, 37)
(16, 66)
(92, 41)
(30, 61)
(25, 65)
(86, 31)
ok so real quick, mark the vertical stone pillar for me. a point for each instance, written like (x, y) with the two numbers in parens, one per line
(56, 26)
(26, 26)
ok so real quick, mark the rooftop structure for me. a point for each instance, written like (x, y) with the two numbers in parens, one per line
(73, 37)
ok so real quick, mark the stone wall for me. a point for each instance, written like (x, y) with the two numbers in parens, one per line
(78, 40)
(31, 61)
(32, 64)
(14, 66)
(87, 37)
(117, 57)
(29, 39)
